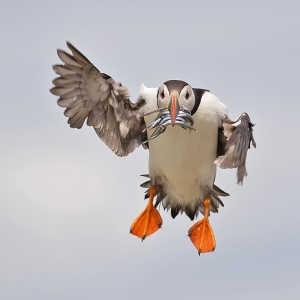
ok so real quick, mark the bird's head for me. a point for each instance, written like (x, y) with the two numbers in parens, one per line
(174, 94)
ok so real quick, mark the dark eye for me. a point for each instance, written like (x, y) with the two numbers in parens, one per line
(187, 96)
(162, 95)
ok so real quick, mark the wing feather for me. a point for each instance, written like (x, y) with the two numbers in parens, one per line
(92, 96)
(234, 141)
(64, 102)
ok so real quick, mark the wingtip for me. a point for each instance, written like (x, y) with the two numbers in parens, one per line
(69, 44)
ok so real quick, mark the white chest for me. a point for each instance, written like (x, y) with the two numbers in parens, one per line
(183, 161)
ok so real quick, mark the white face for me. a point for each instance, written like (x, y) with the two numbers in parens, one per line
(186, 97)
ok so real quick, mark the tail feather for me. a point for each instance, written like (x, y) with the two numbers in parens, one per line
(163, 198)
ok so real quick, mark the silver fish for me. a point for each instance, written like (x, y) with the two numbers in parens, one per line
(158, 131)
(163, 119)
(154, 111)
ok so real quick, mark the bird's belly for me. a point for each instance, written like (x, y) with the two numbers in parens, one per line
(184, 162)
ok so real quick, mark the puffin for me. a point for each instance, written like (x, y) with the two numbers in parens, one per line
(186, 130)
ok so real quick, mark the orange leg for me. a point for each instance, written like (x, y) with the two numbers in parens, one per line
(149, 220)
(201, 234)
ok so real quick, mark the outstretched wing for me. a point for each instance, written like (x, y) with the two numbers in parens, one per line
(91, 95)
(234, 141)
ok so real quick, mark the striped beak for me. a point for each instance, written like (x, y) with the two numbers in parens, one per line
(174, 106)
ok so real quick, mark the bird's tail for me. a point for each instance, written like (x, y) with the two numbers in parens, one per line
(163, 198)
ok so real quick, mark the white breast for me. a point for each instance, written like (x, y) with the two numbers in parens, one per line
(183, 161)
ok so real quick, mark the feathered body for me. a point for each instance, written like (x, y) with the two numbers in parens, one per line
(182, 162)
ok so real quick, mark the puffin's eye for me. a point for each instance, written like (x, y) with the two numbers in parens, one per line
(187, 96)
(162, 95)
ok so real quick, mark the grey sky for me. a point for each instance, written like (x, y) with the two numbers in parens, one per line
(67, 201)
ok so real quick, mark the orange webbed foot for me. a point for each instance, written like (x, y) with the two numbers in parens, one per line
(146, 223)
(201, 234)
(149, 220)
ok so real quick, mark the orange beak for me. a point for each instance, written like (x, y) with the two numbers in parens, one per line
(174, 106)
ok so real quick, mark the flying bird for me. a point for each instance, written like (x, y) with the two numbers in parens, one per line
(187, 131)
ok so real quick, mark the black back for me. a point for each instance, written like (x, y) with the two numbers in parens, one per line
(198, 96)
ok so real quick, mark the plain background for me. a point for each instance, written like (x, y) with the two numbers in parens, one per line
(67, 201)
